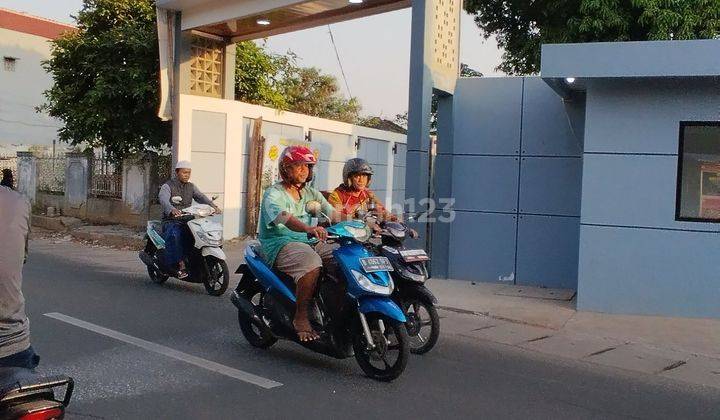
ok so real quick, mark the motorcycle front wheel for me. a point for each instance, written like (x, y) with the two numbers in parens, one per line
(423, 325)
(386, 360)
(217, 279)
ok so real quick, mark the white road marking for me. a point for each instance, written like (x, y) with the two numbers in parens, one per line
(169, 352)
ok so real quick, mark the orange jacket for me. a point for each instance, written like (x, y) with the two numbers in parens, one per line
(346, 201)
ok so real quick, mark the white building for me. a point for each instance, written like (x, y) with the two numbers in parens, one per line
(24, 44)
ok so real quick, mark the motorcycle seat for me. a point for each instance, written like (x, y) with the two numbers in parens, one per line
(287, 280)
(257, 249)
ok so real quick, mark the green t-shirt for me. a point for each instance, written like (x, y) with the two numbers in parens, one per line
(273, 236)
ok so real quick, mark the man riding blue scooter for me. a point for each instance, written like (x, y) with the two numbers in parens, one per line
(352, 312)
(290, 244)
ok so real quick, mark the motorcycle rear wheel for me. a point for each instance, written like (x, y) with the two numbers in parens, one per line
(156, 276)
(252, 334)
(375, 362)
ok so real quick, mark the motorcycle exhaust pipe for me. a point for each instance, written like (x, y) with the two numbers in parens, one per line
(247, 309)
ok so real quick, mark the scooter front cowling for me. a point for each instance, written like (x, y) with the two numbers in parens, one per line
(381, 305)
(215, 252)
(361, 283)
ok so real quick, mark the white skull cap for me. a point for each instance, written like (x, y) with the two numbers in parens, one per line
(183, 164)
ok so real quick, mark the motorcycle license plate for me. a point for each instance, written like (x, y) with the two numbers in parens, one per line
(374, 264)
(414, 255)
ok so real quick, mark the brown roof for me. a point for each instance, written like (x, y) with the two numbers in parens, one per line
(33, 25)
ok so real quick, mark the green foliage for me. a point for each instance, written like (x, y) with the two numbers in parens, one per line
(467, 71)
(106, 79)
(310, 92)
(521, 27)
(277, 81)
(260, 76)
(383, 124)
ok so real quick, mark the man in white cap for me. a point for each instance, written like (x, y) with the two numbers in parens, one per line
(175, 195)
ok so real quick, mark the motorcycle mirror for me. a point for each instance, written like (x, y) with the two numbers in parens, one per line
(313, 207)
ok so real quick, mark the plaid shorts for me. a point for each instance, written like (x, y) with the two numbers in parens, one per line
(296, 259)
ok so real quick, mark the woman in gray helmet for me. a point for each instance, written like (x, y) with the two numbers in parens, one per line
(354, 193)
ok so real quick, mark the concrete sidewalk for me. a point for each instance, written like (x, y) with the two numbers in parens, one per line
(679, 348)
(116, 236)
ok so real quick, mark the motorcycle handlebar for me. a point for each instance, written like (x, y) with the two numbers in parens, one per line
(185, 217)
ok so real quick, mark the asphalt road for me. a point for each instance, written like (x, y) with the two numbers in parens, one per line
(126, 361)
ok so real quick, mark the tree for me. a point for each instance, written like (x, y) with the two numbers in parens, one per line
(382, 124)
(277, 81)
(467, 71)
(260, 77)
(105, 78)
(310, 92)
(521, 27)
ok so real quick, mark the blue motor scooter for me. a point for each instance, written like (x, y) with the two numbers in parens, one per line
(355, 318)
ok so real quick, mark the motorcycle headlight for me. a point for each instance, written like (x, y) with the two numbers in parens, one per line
(368, 285)
(360, 234)
(210, 239)
(412, 276)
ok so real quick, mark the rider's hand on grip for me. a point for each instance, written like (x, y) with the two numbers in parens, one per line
(317, 232)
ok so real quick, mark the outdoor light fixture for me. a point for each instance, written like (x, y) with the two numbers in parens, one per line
(355, 1)
(570, 80)
(263, 22)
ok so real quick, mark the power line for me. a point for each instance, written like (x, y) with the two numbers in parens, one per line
(342, 71)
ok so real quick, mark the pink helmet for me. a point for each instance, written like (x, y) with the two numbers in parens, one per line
(296, 154)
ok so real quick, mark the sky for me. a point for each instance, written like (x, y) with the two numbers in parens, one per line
(374, 51)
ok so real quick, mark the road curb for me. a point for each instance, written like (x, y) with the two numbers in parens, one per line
(498, 317)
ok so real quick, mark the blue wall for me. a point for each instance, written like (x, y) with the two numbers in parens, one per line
(634, 256)
(510, 157)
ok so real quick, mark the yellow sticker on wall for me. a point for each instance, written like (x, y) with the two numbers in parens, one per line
(316, 152)
(273, 153)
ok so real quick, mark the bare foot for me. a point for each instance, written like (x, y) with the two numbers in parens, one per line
(304, 330)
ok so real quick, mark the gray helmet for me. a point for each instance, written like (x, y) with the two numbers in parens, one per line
(356, 166)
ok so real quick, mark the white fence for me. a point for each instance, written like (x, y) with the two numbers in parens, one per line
(215, 133)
